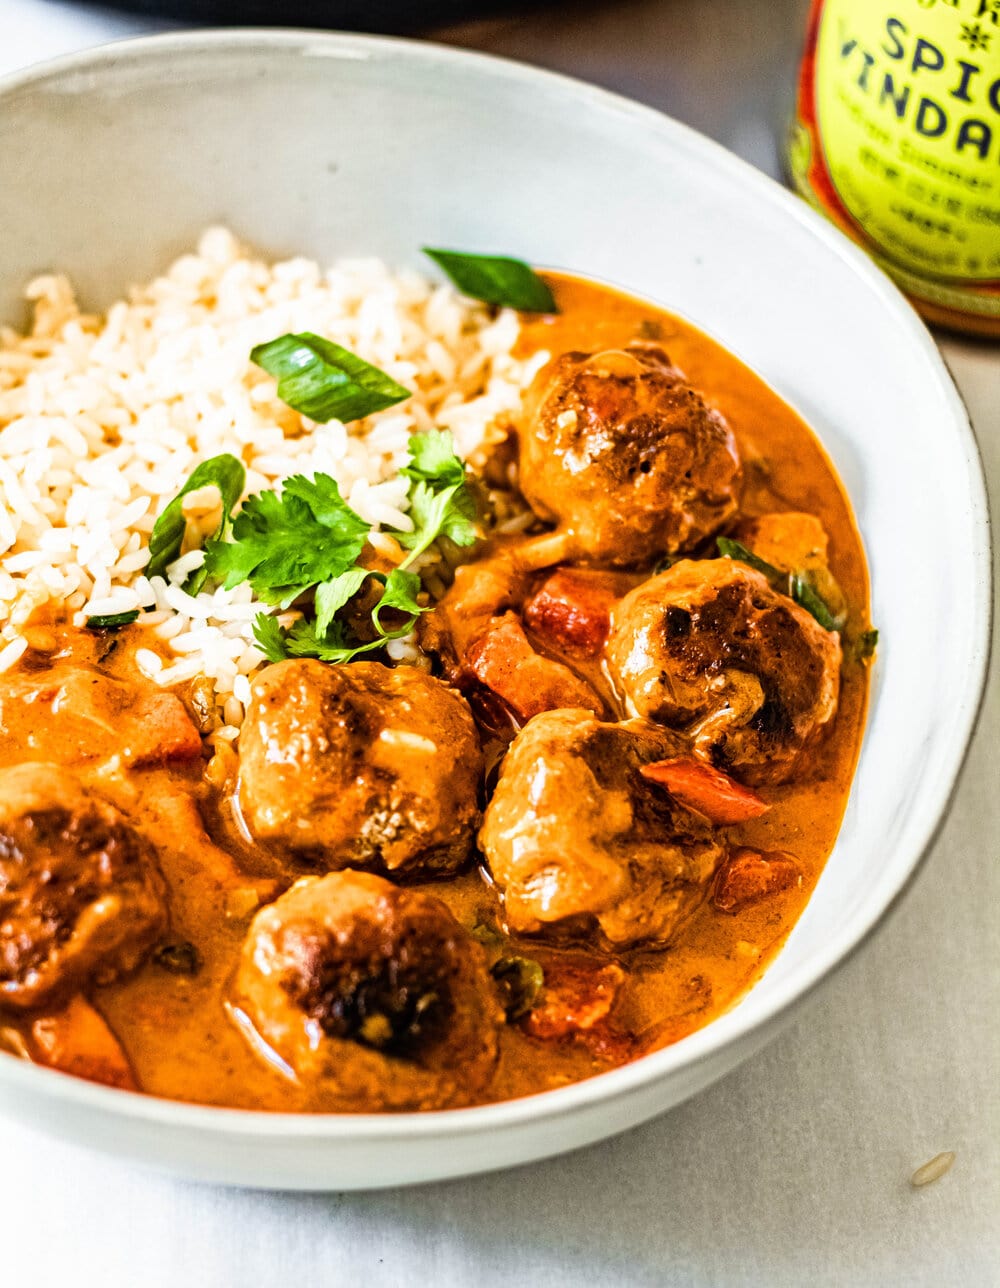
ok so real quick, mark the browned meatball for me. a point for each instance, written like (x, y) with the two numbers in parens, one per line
(81, 896)
(618, 448)
(709, 647)
(371, 994)
(360, 765)
(575, 834)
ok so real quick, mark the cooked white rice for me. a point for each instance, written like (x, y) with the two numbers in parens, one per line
(102, 419)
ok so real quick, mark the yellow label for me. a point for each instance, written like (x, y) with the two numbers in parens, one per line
(907, 101)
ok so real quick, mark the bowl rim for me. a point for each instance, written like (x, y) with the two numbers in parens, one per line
(840, 946)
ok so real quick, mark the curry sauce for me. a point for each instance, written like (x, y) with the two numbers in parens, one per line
(174, 1015)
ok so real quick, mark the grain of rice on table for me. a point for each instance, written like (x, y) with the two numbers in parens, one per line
(102, 419)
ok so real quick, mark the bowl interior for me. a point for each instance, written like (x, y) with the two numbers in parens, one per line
(330, 146)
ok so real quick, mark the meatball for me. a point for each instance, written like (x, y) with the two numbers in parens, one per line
(81, 896)
(618, 448)
(371, 994)
(575, 834)
(709, 647)
(360, 765)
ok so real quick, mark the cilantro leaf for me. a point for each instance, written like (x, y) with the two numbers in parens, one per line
(284, 545)
(331, 596)
(448, 513)
(324, 381)
(433, 459)
(441, 502)
(323, 637)
(308, 538)
(302, 640)
(270, 637)
(401, 591)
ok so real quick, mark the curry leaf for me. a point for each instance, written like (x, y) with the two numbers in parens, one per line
(325, 381)
(797, 585)
(496, 279)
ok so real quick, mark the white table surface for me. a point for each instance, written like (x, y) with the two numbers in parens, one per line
(795, 1168)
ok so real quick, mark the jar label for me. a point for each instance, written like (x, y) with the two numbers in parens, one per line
(899, 139)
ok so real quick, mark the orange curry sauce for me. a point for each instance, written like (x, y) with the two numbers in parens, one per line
(176, 1030)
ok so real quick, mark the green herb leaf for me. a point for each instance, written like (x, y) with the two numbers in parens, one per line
(433, 459)
(112, 621)
(806, 595)
(284, 545)
(731, 549)
(270, 637)
(797, 585)
(865, 645)
(441, 502)
(496, 279)
(308, 537)
(324, 381)
(448, 513)
(521, 980)
(224, 472)
(401, 591)
(331, 596)
(303, 640)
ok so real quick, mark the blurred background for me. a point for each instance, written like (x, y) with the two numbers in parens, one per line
(727, 67)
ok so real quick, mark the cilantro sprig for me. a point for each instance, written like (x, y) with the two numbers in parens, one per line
(307, 540)
(285, 544)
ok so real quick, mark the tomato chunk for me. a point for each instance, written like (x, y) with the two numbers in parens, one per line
(575, 997)
(572, 609)
(160, 730)
(503, 660)
(748, 876)
(700, 787)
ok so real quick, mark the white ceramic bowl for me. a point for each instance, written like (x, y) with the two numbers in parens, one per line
(113, 161)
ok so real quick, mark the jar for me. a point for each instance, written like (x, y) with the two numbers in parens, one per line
(897, 139)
